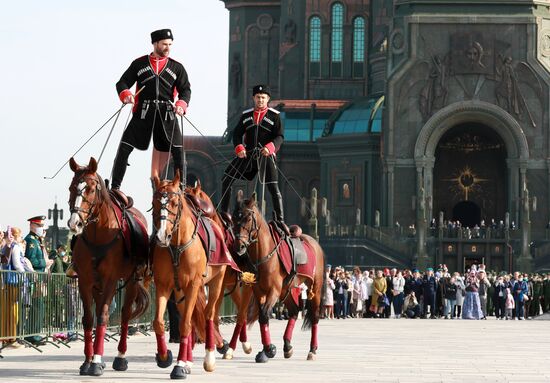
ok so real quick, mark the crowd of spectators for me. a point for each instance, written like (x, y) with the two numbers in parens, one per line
(434, 294)
(23, 303)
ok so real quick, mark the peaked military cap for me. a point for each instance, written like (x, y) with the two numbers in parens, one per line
(261, 89)
(161, 34)
(39, 219)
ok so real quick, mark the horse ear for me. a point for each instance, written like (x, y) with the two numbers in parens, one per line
(177, 178)
(73, 165)
(253, 198)
(197, 184)
(156, 182)
(92, 165)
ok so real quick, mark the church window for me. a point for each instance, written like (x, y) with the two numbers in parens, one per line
(337, 37)
(315, 47)
(358, 46)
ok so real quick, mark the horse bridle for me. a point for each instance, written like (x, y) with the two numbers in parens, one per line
(253, 230)
(164, 205)
(91, 205)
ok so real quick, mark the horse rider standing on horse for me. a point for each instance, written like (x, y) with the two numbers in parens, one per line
(257, 138)
(159, 79)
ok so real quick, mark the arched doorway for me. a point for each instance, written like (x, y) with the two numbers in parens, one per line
(468, 213)
(470, 174)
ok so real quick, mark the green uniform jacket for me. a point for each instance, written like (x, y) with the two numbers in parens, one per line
(33, 251)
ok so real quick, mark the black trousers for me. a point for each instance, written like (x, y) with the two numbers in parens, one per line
(121, 162)
(247, 169)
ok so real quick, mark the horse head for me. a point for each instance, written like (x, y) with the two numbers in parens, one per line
(246, 223)
(167, 208)
(86, 192)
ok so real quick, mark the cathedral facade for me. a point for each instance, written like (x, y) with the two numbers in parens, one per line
(423, 125)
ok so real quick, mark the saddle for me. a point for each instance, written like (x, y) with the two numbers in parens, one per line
(134, 232)
(206, 207)
(297, 249)
(120, 199)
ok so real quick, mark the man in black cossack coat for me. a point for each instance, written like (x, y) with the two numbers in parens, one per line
(159, 80)
(257, 139)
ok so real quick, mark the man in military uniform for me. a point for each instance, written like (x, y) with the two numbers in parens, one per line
(257, 138)
(158, 80)
(36, 253)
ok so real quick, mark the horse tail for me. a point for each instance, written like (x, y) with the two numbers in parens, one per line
(198, 318)
(310, 315)
(142, 301)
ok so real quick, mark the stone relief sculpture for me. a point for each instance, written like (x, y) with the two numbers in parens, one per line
(433, 95)
(236, 74)
(507, 91)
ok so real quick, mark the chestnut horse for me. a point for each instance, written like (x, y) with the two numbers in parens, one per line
(180, 265)
(240, 296)
(98, 256)
(253, 238)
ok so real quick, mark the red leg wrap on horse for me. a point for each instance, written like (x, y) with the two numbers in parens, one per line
(289, 329)
(99, 339)
(190, 346)
(162, 350)
(264, 331)
(313, 345)
(210, 339)
(88, 344)
(184, 342)
(244, 337)
(236, 332)
(123, 344)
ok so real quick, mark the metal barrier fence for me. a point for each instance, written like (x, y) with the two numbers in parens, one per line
(34, 307)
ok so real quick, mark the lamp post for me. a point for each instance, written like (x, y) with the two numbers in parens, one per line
(55, 214)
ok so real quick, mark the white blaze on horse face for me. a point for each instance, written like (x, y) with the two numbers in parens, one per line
(75, 217)
(161, 233)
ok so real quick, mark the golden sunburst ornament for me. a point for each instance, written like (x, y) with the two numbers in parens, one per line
(466, 181)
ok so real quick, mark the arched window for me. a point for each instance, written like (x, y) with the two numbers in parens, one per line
(337, 37)
(315, 47)
(358, 46)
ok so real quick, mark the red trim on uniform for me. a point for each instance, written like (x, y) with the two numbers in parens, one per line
(239, 148)
(259, 115)
(183, 104)
(157, 63)
(271, 147)
(125, 93)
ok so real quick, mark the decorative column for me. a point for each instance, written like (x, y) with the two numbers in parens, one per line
(525, 261)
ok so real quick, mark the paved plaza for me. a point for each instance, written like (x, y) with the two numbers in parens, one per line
(351, 350)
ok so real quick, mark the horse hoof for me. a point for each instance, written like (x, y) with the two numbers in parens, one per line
(261, 357)
(209, 363)
(167, 362)
(120, 364)
(289, 352)
(222, 350)
(247, 347)
(178, 373)
(229, 354)
(96, 369)
(311, 356)
(270, 351)
(84, 368)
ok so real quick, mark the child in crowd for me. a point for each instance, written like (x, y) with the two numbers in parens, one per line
(510, 304)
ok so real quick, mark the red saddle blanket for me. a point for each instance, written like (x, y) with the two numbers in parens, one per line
(221, 255)
(134, 232)
(285, 255)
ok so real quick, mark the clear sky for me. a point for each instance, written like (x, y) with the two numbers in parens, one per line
(59, 68)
